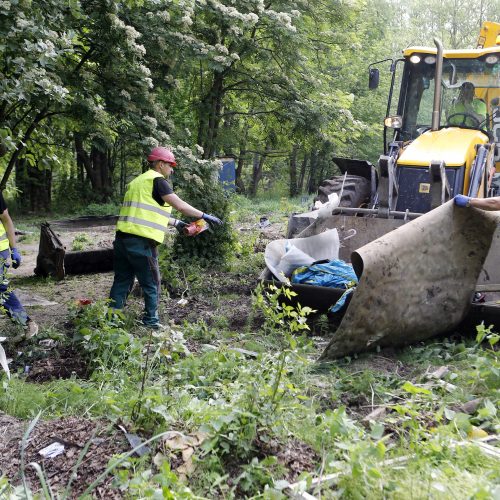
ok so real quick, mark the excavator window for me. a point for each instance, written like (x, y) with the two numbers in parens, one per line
(482, 74)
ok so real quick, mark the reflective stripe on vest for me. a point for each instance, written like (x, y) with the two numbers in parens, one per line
(4, 239)
(142, 222)
(145, 206)
(140, 213)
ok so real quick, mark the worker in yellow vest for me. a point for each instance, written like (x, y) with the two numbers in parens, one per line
(144, 218)
(9, 303)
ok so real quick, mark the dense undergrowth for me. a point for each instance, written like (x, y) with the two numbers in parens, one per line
(265, 414)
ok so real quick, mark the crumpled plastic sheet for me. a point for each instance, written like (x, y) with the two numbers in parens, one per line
(324, 246)
(416, 281)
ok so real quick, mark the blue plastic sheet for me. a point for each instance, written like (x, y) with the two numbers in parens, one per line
(333, 274)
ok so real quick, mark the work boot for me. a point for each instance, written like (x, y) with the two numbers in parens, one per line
(31, 329)
(156, 326)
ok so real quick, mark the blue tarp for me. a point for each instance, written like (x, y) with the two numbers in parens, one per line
(334, 274)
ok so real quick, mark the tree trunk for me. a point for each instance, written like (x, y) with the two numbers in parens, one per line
(240, 186)
(302, 173)
(35, 186)
(258, 165)
(312, 183)
(238, 180)
(293, 171)
(97, 167)
(210, 116)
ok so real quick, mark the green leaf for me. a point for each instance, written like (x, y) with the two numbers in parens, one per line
(412, 389)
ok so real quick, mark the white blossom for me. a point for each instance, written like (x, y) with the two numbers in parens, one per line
(140, 49)
(144, 70)
(22, 23)
(164, 15)
(132, 33)
(150, 121)
(150, 142)
(221, 48)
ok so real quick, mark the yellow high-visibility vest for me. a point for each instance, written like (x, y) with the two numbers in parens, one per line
(4, 240)
(140, 214)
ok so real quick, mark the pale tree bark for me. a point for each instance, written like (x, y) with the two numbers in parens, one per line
(293, 188)
(302, 175)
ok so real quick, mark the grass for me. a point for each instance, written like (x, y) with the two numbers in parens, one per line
(258, 407)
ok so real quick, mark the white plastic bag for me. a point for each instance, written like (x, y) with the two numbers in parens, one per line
(293, 259)
(318, 247)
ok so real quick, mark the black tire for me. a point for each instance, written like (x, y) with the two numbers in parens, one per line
(355, 194)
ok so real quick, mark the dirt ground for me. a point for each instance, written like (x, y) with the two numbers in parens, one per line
(93, 442)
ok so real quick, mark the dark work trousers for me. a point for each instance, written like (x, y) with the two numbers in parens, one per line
(136, 257)
(8, 300)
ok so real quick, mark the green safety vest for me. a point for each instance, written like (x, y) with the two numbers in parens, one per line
(140, 214)
(4, 240)
(477, 106)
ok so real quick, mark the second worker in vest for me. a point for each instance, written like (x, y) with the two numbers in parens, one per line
(144, 218)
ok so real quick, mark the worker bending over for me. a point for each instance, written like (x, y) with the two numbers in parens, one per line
(144, 219)
(8, 300)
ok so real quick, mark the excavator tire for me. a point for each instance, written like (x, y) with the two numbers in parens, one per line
(355, 194)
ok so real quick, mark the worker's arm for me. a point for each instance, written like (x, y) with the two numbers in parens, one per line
(11, 235)
(491, 204)
(185, 208)
(9, 228)
(486, 203)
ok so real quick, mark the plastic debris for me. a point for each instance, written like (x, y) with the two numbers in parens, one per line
(53, 450)
(196, 227)
(264, 222)
(135, 442)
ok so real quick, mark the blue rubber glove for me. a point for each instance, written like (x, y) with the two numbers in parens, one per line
(15, 257)
(211, 219)
(461, 200)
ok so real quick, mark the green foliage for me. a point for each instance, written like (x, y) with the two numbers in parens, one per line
(80, 242)
(279, 313)
(100, 331)
(216, 245)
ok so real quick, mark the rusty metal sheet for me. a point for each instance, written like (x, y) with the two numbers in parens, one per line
(416, 281)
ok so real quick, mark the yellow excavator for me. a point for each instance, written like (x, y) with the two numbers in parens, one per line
(432, 132)
(443, 140)
(435, 147)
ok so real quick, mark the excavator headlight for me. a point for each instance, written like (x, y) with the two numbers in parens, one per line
(415, 59)
(430, 59)
(491, 59)
(395, 121)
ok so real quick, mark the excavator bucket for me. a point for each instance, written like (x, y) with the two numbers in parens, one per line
(417, 278)
(416, 281)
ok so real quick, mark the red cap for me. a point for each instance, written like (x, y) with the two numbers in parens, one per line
(163, 154)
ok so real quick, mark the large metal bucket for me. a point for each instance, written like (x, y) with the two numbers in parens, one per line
(417, 278)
